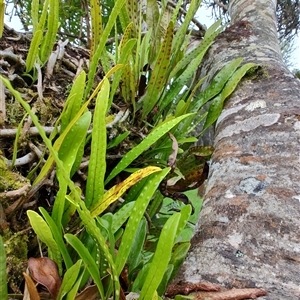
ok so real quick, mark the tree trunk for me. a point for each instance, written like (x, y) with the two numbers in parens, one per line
(248, 233)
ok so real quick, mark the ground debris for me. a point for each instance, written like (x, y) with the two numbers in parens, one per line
(234, 294)
(209, 291)
(187, 288)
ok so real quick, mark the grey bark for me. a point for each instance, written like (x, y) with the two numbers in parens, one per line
(248, 233)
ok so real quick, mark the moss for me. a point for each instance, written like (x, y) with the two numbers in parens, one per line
(16, 257)
(9, 180)
(14, 112)
(257, 72)
(46, 110)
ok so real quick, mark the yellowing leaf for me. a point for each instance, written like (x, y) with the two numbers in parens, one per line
(58, 142)
(119, 189)
(2, 11)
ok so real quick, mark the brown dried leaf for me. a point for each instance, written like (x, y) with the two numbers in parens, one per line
(91, 292)
(30, 289)
(185, 288)
(44, 271)
(234, 294)
(173, 155)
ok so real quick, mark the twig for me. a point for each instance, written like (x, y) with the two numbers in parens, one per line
(2, 104)
(15, 193)
(222, 5)
(13, 57)
(24, 160)
(201, 27)
(35, 149)
(54, 57)
(40, 81)
(80, 67)
(32, 131)
(51, 63)
(10, 211)
(121, 116)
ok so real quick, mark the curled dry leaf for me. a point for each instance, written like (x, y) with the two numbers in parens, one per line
(173, 155)
(91, 292)
(44, 271)
(30, 289)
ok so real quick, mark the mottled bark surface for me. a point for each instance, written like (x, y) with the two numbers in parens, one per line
(248, 234)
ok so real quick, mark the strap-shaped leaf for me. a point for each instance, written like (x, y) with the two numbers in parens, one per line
(118, 190)
(37, 38)
(57, 235)
(132, 8)
(161, 257)
(135, 255)
(189, 64)
(217, 103)
(44, 233)
(97, 163)
(153, 23)
(120, 217)
(87, 259)
(52, 28)
(3, 277)
(144, 48)
(96, 57)
(152, 16)
(34, 14)
(124, 19)
(178, 256)
(96, 21)
(68, 154)
(185, 214)
(235, 79)
(165, 280)
(70, 278)
(72, 141)
(181, 81)
(126, 51)
(47, 166)
(118, 139)
(126, 36)
(154, 135)
(74, 101)
(218, 82)
(96, 234)
(137, 213)
(2, 12)
(33, 50)
(83, 212)
(181, 33)
(159, 75)
(208, 39)
(128, 84)
(176, 11)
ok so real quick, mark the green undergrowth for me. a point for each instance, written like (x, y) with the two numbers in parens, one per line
(115, 231)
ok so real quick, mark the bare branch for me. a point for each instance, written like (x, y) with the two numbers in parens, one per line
(222, 5)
